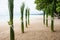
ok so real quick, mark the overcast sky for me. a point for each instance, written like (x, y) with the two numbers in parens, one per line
(17, 5)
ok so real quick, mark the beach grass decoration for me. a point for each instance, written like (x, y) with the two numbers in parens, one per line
(44, 17)
(27, 14)
(47, 16)
(52, 22)
(22, 16)
(10, 5)
(26, 17)
(52, 15)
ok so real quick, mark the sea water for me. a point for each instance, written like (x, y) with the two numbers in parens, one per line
(5, 18)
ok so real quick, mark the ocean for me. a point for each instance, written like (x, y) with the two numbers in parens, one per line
(5, 18)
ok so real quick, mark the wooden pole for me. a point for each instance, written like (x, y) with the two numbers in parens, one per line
(22, 17)
(10, 2)
(44, 17)
(47, 17)
(26, 16)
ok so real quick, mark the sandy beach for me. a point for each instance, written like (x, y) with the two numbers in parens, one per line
(35, 31)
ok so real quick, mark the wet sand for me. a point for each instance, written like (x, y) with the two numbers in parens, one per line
(35, 31)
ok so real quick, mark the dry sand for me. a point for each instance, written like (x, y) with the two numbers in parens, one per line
(35, 31)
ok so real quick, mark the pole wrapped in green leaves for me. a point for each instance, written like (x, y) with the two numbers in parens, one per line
(52, 22)
(47, 16)
(22, 17)
(52, 15)
(26, 16)
(44, 17)
(10, 5)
